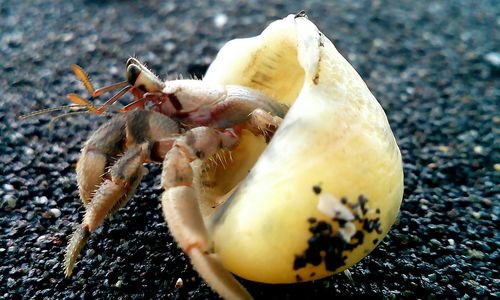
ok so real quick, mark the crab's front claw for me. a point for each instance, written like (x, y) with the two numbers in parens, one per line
(182, 211)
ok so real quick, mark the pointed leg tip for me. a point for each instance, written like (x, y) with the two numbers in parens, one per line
(218, 278)
(68, 271)
(75, 245)
(69, 263)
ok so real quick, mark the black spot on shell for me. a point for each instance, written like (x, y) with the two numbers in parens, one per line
(316, 189)
(299, 262)
(316, 79)
(358, 239)
(362, 203)
(328, 246)
(371, 225)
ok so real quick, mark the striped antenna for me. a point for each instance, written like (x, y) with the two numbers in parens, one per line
(49, 110)
(65, 115)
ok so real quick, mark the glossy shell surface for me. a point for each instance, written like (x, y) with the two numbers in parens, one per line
(328, 187)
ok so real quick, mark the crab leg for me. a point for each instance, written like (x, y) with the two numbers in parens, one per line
(103, 145)
(242, 108)
(111, 139)
(148, 136)
(112, 194)
(263, 123)
(181, 210)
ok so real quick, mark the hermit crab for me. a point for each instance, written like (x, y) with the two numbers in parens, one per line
(278, 166)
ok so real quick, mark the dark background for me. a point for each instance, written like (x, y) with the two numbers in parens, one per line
(434, 66)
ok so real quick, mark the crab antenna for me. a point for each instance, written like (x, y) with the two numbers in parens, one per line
(80, 101)
(49, 110)
(69, 114)
(108, 88)
(83, 77)
(113, 99)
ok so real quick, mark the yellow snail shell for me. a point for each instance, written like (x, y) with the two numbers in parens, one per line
(328, 187)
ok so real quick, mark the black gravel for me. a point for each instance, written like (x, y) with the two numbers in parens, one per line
(434, 66)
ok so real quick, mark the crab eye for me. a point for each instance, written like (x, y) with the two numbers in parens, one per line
(133, 72)
(131, 61)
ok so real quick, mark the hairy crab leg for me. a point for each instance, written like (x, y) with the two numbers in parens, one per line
(106, 143)
(180, 202)
(111, 195)
(146, 135)
(181, 208)
(263, 123)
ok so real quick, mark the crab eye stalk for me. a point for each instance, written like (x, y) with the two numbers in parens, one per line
(140, 77)
(133, 72)
(131, 61)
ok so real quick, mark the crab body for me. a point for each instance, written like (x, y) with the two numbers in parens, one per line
(197, 103)
(188, 121)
